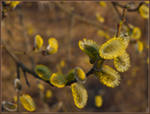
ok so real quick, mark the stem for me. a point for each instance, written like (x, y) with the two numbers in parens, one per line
(129, 9)
(119, 26)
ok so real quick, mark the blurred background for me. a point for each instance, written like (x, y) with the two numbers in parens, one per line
(53, 19)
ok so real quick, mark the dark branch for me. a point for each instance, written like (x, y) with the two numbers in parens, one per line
(127, 7)
(122, 17)
(21, 65)
(26, 79)
(18, 71)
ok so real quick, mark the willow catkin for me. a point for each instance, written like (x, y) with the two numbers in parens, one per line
(79, 94)
(122, 63)
(108, 76)
(27, 102)
(90, 48)
(58, 80)
(52, 47)
(112, 48)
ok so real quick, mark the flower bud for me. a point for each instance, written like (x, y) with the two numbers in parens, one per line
(17, 84)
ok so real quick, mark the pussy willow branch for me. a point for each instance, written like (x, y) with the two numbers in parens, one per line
(33, 73)
(25, 69)
(92, 70)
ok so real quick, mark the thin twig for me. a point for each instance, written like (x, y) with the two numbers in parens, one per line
(129, 9)
(26, 79)
(119, 26)
(121, 17)
(18, 71)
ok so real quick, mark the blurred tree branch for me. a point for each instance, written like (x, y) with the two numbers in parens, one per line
(27, 46)
(82, 18)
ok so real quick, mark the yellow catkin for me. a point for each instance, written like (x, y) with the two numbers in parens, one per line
(58, 80)
(52, 47)
(38, 42)
(122, 63)
(62, 63)
(102, 3)
(79, 94)
(112, 48)
(48, 94)
(109, 76)
(90, 48)
(43, 72)
(27, 102)
(98, 101)
(136, 33)
(12, 4)
(80, 74)
(41, 86)
(15, 98)
(144, 11)
(100, 18)
(85, 42)
(140, 46)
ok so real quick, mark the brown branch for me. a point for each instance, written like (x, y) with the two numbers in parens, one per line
(129, 9)
(33, 73)
(120, 24)
(21, 65)
(122, 17)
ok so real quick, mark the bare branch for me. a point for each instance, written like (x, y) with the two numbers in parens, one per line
(126, 6)
(21, 65)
